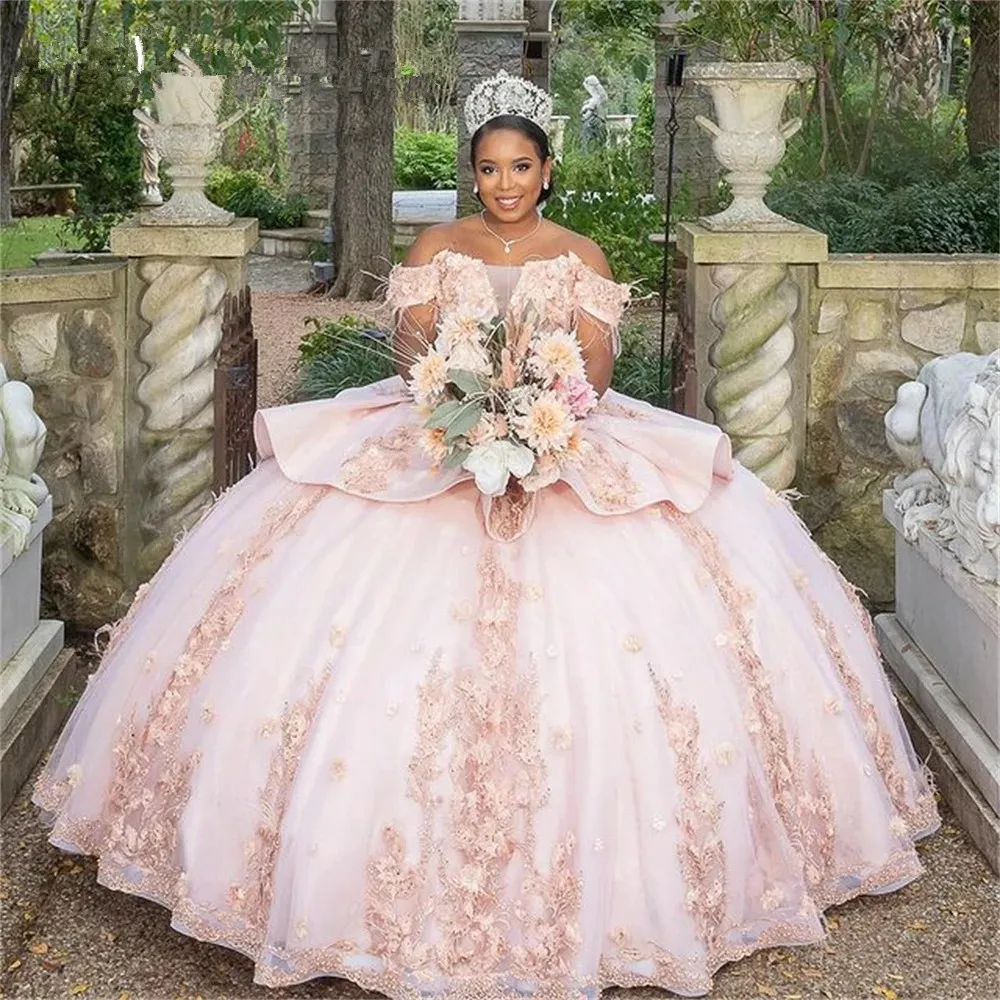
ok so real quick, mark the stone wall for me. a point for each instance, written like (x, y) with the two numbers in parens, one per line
(875, 320)
(63, 331)
(311, 111)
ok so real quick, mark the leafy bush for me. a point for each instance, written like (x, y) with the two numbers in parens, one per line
(425, 160)
(637, 370)
(960, 215)
(599, 195)
(340, 354)
(247, 194)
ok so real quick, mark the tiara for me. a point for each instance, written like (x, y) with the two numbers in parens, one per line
(504, 94)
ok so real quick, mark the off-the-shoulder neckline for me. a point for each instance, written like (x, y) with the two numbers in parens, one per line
(573, 257)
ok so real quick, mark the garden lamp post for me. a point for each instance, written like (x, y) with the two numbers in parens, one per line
(674, 85)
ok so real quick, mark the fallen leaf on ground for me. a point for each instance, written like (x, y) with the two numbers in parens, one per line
(892, 975)
(38, 948)
(766, 991)
(917, 925)
(886, 992)
(16, 964)
(52, 965)
(76, 869)
(78, 989)
(812, 973)
(833, 923)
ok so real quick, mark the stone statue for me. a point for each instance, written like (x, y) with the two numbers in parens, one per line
(945, 427)
(593, 114)
(150, 166)
(22, 438)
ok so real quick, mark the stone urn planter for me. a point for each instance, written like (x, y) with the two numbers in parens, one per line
(749, 138)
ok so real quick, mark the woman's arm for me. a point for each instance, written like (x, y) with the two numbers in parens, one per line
(596, 338)
(415, 325)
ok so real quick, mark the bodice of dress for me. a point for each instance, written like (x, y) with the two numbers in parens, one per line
(557, 288)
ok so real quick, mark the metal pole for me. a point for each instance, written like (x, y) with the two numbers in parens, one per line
(674, 86)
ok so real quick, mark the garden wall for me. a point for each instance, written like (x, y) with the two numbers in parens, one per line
(874, 321)
(63, 331)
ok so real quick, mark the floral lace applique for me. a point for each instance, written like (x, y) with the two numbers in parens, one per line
(699, 848)
(609, 480)
(368, 472)
(412, 286)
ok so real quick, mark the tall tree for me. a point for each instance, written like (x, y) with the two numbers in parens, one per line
(13, 21)
(362, 197)
(982, 101)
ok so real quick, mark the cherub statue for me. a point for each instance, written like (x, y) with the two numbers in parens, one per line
(945, 427)
(22, 438)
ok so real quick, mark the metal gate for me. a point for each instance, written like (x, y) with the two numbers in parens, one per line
(235, 392)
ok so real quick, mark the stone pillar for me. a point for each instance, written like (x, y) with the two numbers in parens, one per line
(538, 43)
(177, 280)
(311, 65)
(696, 171)
(748, 297)
(490, 38)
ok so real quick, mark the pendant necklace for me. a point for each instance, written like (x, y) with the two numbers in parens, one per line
(507, 244)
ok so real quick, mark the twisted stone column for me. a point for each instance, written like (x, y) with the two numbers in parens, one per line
(752, 391)
(182, 302)
(178, 278)
(747, 296)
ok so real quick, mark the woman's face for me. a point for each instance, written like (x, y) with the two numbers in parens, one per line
(509, 174)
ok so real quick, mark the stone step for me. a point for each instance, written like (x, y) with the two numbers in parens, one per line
(20, 675)
(35, 724)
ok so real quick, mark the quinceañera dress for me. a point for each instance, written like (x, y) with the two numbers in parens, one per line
(364, 724)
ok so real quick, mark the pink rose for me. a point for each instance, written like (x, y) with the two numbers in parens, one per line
(577, 393)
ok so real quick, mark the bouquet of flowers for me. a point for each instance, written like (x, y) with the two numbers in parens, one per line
(502, 399)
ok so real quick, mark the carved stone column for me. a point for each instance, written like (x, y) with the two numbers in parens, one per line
(490, 38)
(178, 279)
(748, 296)
(538, 42)
(311, 63)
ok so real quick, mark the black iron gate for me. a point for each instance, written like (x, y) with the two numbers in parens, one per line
(235, 392)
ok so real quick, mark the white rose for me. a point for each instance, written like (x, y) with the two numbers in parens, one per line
(470, 358)
(493, 464)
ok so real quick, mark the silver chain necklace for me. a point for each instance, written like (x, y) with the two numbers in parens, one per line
(507, 244)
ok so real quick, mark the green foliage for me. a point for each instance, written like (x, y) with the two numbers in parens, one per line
(600, 196)
(959, 215)
(337, 355)
(25, 238)
(259, 141)
(248, 194)
(637, 369)
(426, 49)
(425, 160)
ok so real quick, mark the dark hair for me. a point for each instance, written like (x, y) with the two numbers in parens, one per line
(527, 128)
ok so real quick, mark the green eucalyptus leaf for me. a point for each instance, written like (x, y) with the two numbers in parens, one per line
(464, 421)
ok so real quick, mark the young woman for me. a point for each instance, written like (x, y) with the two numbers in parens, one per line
(367, 723)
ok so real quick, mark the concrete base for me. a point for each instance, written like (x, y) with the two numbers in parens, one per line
(964, 760)
(953, 618)
(26, 667)
(34, 725)
(20, 586)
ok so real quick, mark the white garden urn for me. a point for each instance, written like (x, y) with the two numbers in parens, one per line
(188, 136)
(749, 137)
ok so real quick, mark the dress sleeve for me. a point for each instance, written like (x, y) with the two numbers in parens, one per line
(601, 298)
(412, 286)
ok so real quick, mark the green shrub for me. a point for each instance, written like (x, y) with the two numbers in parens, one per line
(959, 215)
(599, 195)
(248, 194)
(637, 370)
(338, 355)
(425, 160)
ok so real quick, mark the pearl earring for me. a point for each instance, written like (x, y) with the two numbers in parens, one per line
(545, 185)
(475, 189)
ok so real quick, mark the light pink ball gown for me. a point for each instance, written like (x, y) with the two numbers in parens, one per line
(360, 725)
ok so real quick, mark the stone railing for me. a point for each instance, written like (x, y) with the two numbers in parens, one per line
(874, 321)
(121, 357)
(798, 354)
(63, 332)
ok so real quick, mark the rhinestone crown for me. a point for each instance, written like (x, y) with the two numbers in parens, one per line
(504, 94)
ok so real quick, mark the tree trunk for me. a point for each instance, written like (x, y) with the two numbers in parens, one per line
(13, 21)
(362, 202)
(982, 128)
